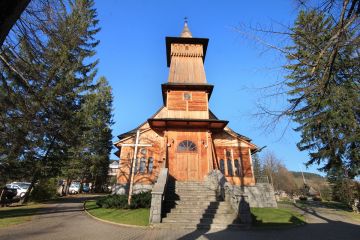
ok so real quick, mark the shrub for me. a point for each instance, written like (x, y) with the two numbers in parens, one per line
(302, 198)
(44, 190)
(113, 201)
(317, 198)
(140, 200)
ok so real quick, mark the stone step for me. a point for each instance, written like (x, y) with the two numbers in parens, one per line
(192, 198)
(191, 216)
(197, 221)
(196, 209)
(201, 226)
(200, 210)
(204, 203)
(193, 190)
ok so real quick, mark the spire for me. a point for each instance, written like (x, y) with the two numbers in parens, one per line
(186, 31)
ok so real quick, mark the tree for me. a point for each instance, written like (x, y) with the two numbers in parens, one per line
(344, 189)
(91, 155)
(10, 13)
(257, 166)
(322, 85)
(44, 80)
(325, 93)
(278, 174)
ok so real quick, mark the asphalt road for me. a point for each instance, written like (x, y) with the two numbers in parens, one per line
(67, 220)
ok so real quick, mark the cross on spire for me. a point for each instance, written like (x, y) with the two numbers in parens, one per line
(186, 31)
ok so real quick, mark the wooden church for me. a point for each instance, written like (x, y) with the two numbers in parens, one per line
(184, 135)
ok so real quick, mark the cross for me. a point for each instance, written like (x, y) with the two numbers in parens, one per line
(136, 145)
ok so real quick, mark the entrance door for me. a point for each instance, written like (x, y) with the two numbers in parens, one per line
(186, 161)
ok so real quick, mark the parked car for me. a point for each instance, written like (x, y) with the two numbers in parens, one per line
(21, 188)
(74, 187)
(85, 188)
(7, 195)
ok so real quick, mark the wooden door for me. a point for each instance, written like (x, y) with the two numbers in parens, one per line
(186, 156)
(186, 166)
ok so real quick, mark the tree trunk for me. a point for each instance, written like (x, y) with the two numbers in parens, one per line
(27, 194)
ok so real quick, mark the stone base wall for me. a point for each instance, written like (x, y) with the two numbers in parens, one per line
(261, 195)
(122, 189)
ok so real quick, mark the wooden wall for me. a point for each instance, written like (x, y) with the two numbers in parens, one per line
(187, 64)
(196, 107)
(156, 151)
(230, 148)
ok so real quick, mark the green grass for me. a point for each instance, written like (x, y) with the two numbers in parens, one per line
(17, 214)
(138, 217)
(272, 217)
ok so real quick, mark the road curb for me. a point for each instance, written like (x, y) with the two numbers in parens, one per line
(113, 223)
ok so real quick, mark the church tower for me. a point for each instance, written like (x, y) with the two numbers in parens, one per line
(184, 135)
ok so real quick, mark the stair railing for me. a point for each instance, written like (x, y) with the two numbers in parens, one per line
(157, 196)
(226, 191)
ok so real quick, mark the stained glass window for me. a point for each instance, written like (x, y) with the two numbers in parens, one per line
(229, 166)
(186, 146)
(237, 167)
(150, 164)
(222, 166)
(142, 164)
(143, 151)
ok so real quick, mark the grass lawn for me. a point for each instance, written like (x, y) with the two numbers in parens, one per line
(17, 214)
(126, 216)
(272, 217)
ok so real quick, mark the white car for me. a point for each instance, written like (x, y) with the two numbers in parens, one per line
(74, 187)
(21, 188)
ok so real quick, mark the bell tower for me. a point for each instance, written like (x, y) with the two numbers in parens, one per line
(186, 122)
(186, 94)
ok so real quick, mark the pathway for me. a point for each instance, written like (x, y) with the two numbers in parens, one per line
(66, 220)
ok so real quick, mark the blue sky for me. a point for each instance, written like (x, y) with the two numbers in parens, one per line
(132, 58)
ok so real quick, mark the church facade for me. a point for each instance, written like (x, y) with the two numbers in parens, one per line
(184, 135)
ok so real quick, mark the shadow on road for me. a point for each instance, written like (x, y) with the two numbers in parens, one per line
(62, 205)
(328, 230)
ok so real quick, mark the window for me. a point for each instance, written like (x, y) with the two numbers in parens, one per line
(228, 154)
(150, 164)
(237, 168)
(187, 96)
(230, 169)
(143, 151)
(135, 168)
(142, 164)
(222, 166)
(186, 146)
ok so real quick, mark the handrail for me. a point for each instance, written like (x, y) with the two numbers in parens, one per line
(237, 199)
(157, 196)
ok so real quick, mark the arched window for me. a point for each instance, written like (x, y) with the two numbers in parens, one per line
(186, 146)
(150, 164)
(228, 154)
(237, 167)
(230, 168)
(142, 164)
(222, 166)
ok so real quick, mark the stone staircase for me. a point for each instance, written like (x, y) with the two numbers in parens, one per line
(194, 205)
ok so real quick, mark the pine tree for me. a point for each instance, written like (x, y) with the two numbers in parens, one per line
(43, 83)
(91, 156)
(324, 90)
(257, 166)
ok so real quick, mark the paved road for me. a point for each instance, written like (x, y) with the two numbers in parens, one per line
(66, 220)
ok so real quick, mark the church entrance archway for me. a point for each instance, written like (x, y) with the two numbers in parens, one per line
(187, 155)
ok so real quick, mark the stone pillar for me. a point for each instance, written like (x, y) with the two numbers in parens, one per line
(155, 209)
